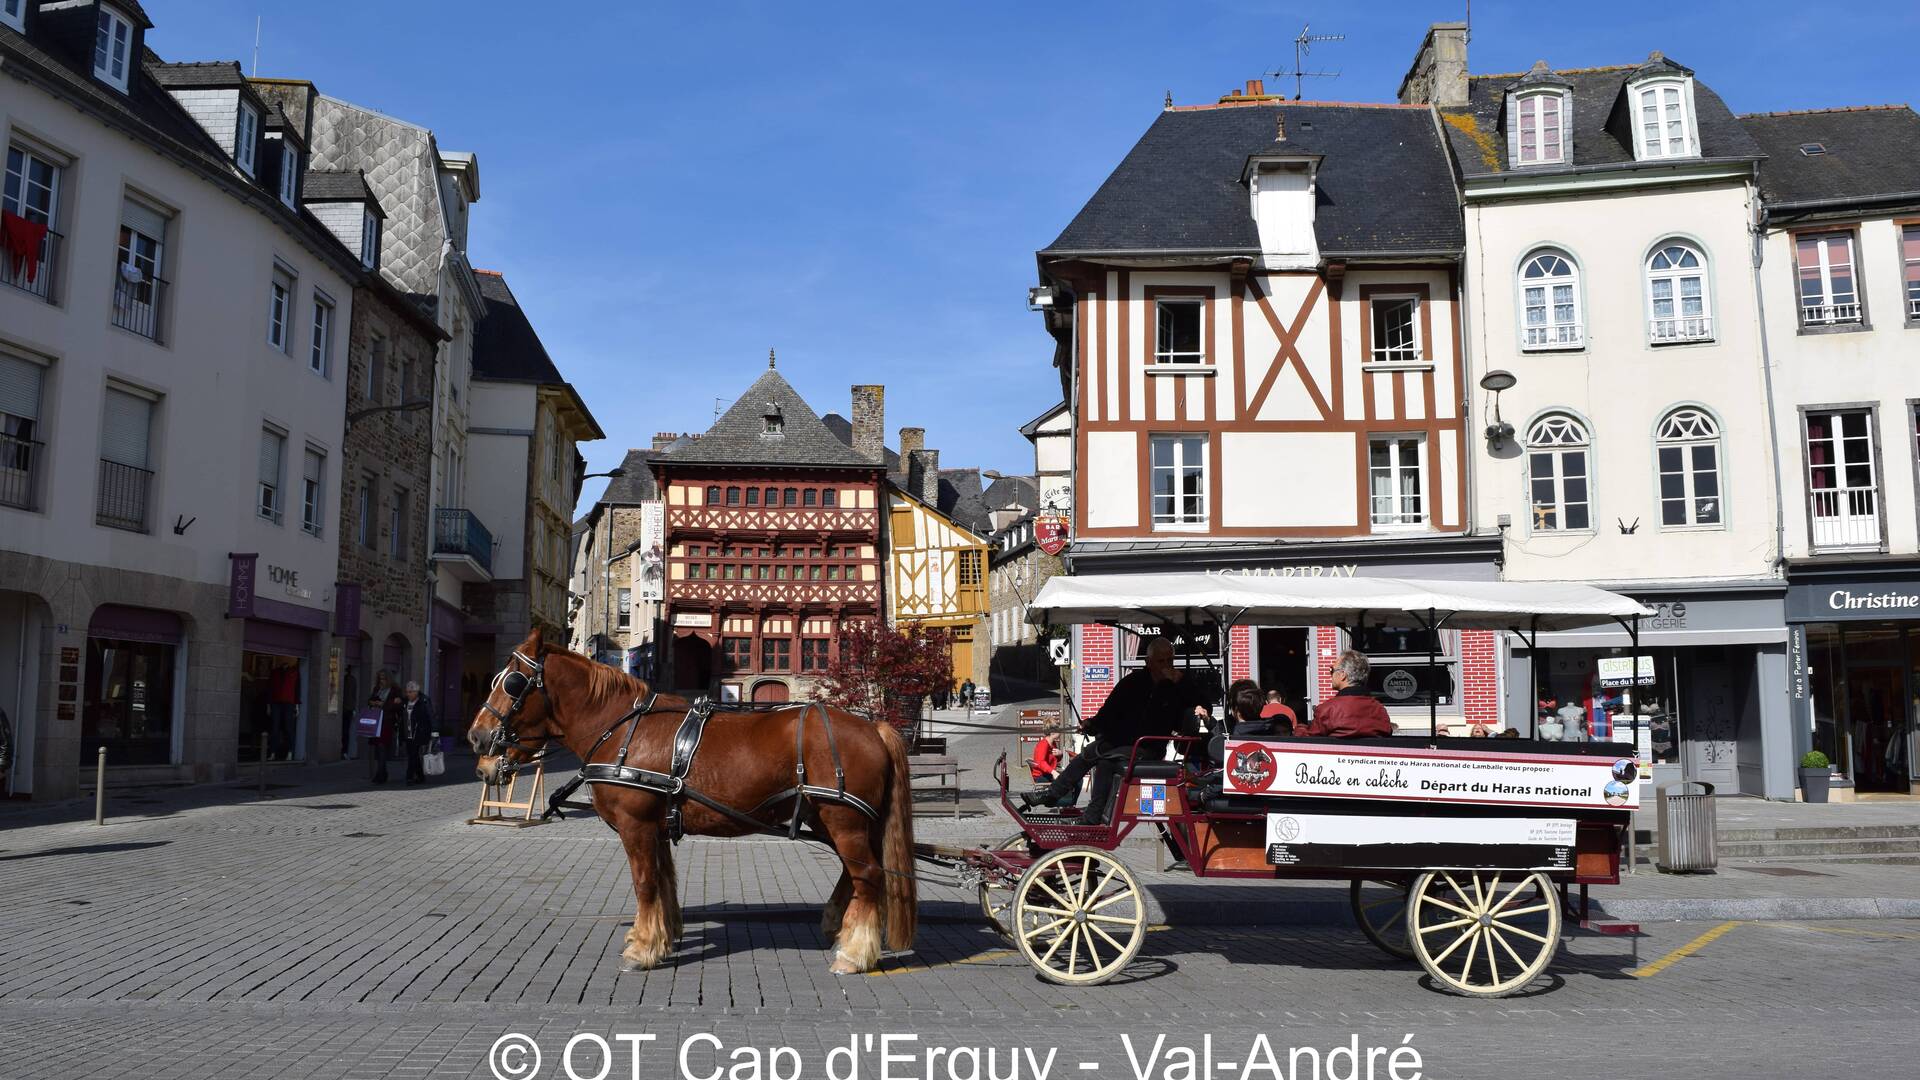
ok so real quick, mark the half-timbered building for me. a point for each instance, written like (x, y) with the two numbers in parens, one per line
(1259, 334)
(936, 569)
(773, 539)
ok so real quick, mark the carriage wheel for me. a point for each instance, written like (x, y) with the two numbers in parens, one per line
(1484, 933)
(1380, 907)
(996, 896)
(1079, 916)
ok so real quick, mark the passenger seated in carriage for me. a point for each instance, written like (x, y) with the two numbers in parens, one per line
(1352, 712)
(1252, 716)
(1156, 700)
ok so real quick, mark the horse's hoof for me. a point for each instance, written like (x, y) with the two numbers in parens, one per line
(844, 966)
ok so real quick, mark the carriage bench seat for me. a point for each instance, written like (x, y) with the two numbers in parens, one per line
(1157, 770)
(931, 767)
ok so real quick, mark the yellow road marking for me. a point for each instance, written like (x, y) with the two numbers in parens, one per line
(1897, 934)
(1683, 951)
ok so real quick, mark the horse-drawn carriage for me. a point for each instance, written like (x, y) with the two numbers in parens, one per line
(1463, 854)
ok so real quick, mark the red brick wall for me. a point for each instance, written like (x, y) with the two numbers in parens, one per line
(1240, 653)
(1097, 648)
(1479, 676)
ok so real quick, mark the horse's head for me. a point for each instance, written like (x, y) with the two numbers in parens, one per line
(516, 719)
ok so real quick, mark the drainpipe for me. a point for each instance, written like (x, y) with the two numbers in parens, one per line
(1758, 216)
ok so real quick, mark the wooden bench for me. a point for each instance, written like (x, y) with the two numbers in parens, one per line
(934, 767)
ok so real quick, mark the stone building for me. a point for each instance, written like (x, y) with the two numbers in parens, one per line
(620, 567)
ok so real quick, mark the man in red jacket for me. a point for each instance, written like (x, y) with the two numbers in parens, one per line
(1351, 713)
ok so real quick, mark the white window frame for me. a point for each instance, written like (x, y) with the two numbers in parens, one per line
(369, 239)
(22, 174)
(113, 45)
(1854, 517)
(1178, 467)
(1557, 436)
(1397, 472)
(320, 345)
(1537, 99)
(246, 138)
(14, 14)
(1552, 333)
(313, 492)
(1830, 311)
(270, 500)
(366, 530)
(1163, 355)
(1910, 267)
(1411, 354)
(1679, 110)
(623, 610)
(1677, 327)
(1686, 428)
(289, 173)
(280, 295)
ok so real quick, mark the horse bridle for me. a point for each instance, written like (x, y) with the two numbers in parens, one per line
(518, 686)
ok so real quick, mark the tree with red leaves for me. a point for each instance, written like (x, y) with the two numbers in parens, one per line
(883, 671)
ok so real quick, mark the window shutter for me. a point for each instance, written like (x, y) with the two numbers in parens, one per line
(143, 219)
(271, 445)
(19, 387)
(127, 424)
(313, 466)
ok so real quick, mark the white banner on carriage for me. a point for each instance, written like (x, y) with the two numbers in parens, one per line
(1359, 829)
(1293, 770)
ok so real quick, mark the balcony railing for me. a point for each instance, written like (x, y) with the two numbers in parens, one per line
(1680, 328)
(19, 472)
(1913, 306)
(459, 532)
(123, 496)
(1829, 314)
(1557, 336)
(1846, 518)
(137, 304)
(40, 281)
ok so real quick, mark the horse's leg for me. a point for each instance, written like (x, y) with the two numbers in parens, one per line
(836, 910)
(651, 938)
(669, 887)
(857, 947)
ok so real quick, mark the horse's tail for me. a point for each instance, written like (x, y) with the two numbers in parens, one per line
(896, 845)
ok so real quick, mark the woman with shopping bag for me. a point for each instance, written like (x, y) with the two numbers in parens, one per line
(420, 734)
(375, 726)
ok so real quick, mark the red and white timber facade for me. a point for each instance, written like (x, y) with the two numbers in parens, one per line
(1266, 378)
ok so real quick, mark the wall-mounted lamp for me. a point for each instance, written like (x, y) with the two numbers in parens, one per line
(1499, 431)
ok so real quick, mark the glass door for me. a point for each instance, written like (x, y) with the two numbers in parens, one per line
(1878, 663)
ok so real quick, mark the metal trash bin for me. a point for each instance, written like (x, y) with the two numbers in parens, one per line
(1686, 822)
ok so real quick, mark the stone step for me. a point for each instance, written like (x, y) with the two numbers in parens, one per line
(1823, 832)
(1854, 846)
(1895, 859)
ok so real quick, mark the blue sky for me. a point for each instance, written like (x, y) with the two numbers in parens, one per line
(674, 188)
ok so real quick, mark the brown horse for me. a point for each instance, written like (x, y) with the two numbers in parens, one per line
(744, 759)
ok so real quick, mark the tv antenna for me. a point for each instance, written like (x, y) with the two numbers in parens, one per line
(1302, 46)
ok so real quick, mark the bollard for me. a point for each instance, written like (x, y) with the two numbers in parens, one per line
(100, 789)
(263, 765)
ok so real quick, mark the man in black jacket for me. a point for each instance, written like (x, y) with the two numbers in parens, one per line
(1156, 700)
(417, 729)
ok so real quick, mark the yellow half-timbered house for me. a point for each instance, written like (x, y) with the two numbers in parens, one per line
(937, 577)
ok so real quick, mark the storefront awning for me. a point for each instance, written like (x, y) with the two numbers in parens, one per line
(1343, 601)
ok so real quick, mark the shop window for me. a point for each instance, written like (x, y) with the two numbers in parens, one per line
(1411, 667)
(129, 702)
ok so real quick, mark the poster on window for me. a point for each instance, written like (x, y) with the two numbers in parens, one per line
(1413, 774)
(650, 570)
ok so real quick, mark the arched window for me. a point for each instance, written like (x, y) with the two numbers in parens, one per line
(1677, 301)
(1540, 121)
(733, 496)
(1550, 302)
(1687, 445)
(1558, 474)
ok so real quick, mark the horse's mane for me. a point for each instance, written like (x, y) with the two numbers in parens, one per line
(602, 686)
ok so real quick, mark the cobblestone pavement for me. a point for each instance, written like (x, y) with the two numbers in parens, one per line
(339, 932)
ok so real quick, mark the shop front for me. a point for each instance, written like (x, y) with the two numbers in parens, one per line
(135, 673)
(1855, 687)
(280, 670)
(1701, 698)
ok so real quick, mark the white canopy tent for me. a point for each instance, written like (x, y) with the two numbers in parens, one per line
(1228, 599)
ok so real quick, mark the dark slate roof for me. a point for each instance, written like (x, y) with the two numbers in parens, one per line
(636, 485)
(505, 346)
(1384, 184)
(1601, 135)
(842, 429)
(201, 74)
(1012, 491)
(1032, 427)
(340, 187)
(1872, 151)
(739, 436)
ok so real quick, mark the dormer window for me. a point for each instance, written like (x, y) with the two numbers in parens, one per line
(112, 47)
(1540, 122)
(369, 240)
(289, 172)
(14, 14)
(246, 134)
(1663, 119)
(776, 424)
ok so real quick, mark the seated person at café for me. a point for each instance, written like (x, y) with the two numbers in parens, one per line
(1352, 712)
(1251, 712)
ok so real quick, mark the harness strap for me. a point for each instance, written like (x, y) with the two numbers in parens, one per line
(559, 798)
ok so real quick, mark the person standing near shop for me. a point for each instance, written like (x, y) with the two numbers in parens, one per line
(383, 698)
(283, 704)
(416, 729)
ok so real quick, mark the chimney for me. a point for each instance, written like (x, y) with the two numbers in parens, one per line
(1439, 72)
(923, 471)
(664, 439)
(912, 440)
(870, 422)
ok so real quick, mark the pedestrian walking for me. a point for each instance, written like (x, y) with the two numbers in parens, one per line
(416, 729)
(283, 703)
(383, 698)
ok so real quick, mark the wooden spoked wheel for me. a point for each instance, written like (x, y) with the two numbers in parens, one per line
(1380, 907)
(1483, 933)
(996, 896)
(1078, 916)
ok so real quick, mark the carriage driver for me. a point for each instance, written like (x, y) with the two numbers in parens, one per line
(1156, 700)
